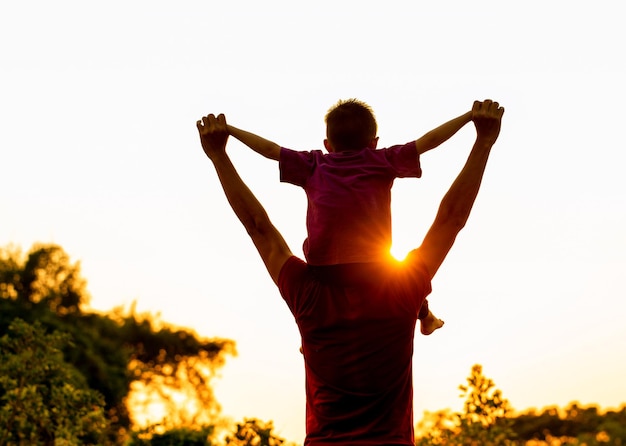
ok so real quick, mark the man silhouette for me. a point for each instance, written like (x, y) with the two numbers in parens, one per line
(357, 329)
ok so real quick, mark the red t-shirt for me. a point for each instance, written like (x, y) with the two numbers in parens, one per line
(349, 199)
(357, 327)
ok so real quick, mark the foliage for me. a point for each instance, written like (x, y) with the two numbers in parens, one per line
(253, 432)
(44, 280)
(116, 352)
(250, 432)
(67, 376)
(572, 425)
(43, 399)
(484, 420)
(487, 420)
(173, 365)
(183, 436)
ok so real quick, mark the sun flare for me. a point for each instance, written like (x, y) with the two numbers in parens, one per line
(398, 253)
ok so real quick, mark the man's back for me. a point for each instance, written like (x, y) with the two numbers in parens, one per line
(357, 328)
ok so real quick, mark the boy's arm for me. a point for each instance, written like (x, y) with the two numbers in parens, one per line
(268, 241)
(442, 133)
(260, 145)
(456, 205)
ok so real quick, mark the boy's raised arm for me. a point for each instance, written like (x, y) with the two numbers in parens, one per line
(442, 133)
(260, 145)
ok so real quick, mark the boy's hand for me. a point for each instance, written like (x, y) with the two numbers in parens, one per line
(487, 117)
(213, 134)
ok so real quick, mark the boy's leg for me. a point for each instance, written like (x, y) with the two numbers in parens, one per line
(424, 310)
(428, 321)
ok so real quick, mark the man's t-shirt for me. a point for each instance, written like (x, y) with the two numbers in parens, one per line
(357, 327)
(349, 199)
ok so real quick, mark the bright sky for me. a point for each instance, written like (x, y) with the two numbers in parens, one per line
(99, 154)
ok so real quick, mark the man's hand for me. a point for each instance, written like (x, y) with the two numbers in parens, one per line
(487, 116)
(213, 134)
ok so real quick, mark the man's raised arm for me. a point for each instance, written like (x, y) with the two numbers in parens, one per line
(268, 241)
(456, 205)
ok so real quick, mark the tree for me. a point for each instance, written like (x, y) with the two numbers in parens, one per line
(437, 428)
(572, 425)
(486, 412)
(115, 352)
(487, 420)
(253, 432)
(484, 422)
(45, 279)
(249, 432)
(43, 399)
(171, 364)
(183, 436)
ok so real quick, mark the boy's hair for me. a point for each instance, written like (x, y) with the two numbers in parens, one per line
(350, 125)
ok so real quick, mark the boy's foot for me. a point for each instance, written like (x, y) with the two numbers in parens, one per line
(430, 323)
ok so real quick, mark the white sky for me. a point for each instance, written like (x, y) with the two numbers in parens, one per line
(99, 154)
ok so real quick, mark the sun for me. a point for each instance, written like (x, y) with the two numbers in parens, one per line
(398, 252)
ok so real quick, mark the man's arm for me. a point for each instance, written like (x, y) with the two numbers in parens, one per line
(260, 145)
(268, 241)
(456, 205)
(442, 133)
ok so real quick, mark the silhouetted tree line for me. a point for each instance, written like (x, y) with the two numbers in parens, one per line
(66, 376)
(586, 425)
(48, 340)
(488, 420)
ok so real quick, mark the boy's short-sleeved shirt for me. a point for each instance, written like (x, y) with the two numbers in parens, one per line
(349, 199)
(357, 326)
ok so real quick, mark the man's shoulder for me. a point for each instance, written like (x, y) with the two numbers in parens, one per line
(293, 266)
(293, 281)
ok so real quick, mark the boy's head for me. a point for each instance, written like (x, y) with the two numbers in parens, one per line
(350, 125)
